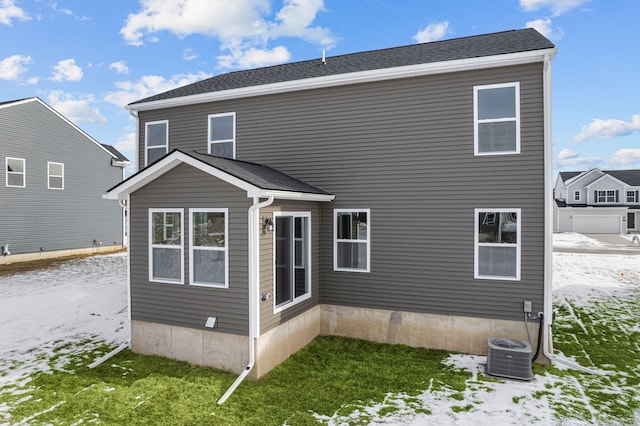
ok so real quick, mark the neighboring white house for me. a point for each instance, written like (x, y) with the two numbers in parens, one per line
(597, 202)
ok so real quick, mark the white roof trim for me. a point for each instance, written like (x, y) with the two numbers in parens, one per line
(62, 117)
(580, 176)
(353, 78)
(148, 175)
(608, 176)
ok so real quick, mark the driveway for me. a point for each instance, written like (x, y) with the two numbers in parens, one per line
(608, 244)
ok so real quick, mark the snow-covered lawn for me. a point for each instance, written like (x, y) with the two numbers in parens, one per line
(84, 301)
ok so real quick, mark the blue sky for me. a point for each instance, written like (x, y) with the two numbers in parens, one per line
(87, 59)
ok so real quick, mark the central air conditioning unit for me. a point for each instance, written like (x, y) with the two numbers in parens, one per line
(509, 358)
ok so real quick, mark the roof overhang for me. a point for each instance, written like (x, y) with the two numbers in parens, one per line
(176, 158)
(353, 78)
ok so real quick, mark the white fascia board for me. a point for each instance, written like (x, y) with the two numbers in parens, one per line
(170, 162)
(353, 78)
(584, 175)
(303, 196)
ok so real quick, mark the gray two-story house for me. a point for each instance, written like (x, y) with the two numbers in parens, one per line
(54, 176)
(396, 195)
(597, 201)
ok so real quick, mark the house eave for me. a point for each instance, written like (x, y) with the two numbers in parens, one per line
(408, 71)
(302, 196)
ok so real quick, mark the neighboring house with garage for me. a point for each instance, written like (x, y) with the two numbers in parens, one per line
(597, 202)
(54, 176)
(398, 195)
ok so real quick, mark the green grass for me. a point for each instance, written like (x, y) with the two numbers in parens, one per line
(335, 379)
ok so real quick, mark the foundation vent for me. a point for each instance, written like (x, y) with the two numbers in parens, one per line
(509, 358)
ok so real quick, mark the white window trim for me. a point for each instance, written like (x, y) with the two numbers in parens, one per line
(49, 175)
(577, 195)
(146, 136)
(336, 241)
(224, 249)
(476, 244)
(476, 121)
(602, 196)
(152, 246)
(306, 296)
(233, 140)
(633, 196)
(23, 173)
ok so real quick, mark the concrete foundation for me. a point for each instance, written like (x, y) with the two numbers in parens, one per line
(231, 352)
(27, 257)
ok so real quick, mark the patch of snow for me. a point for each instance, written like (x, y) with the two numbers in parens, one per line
(574, 240)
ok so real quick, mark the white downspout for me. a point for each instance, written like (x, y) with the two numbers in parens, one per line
(254, 289)
(548, 227)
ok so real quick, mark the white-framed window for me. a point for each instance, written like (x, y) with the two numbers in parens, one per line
(222, 135)
(632, 196)
(497, 244)
(351, 240)
(496, 116)
(166, 245)
(576, 195)
(156, 140)
(55, 175)
(209, 247)
(292, 258)
(16, 172)
(606, 196)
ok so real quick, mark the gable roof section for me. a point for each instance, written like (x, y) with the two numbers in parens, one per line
(107, 148)
(505, 48)
(256, 179)
(629, 177)
(119, 159)
(605, 176)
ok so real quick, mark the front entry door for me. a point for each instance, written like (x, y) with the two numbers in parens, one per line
(631, 220)
(292, 278)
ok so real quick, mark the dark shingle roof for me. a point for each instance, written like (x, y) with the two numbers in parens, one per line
(115, 152)
(13, 101)
(263, 177)
(501, 43)
(630, 177)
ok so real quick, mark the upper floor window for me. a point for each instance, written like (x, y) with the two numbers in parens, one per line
(576, 196)
(209, 258)
(606, 196)
(351, 242)
(166, 245)
(632, 196)
(222, 135)
(496, 115)
(55, 173)
(156, 140)
(497, 244)
(15, 172)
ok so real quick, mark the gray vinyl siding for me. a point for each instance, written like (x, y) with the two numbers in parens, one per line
(35, 217)
(404, 149)
(183, 304)
(269, 319)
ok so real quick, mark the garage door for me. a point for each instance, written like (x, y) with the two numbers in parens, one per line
(597, 224)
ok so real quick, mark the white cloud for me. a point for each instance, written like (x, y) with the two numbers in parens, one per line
(432, 32)
(67, 70)
(12, 67)
(567, 157)
(626, 157)
(608, 129)
(189, 54)
(149, 85)
(241, 25)
(120, 67)
(545, 27)
(253, 58)
(76, 110)
(557, 7)
(9, 11)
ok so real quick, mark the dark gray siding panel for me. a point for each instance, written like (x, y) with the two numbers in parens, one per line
(268, 319)
(187, 305)
(404, 149)
(36, 217)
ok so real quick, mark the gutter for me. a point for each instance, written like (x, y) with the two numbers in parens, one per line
(548, 228)
(254, 289)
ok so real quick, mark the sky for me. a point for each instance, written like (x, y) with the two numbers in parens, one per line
(88, 59)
